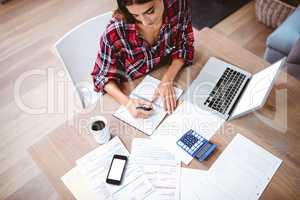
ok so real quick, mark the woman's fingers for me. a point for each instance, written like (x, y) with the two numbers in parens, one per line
(174, 99)
(164, 100)
(155, 95)
(168, 101)
(169, 104)
(167, 93)
(145, 103)
(171, 100)
(143, 114)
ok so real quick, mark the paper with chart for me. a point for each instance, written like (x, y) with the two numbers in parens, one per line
(145, 90)
(187, 116)
(95, 165)
(160, 167)
(242, 171)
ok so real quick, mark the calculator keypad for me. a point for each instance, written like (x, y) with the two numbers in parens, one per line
(191, 142)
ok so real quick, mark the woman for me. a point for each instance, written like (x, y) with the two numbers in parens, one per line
(143, 35)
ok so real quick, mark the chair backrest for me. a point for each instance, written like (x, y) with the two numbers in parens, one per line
(77, 50)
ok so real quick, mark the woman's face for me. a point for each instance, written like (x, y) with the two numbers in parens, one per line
(149, 13)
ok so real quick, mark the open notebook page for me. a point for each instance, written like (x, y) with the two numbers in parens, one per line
(145, 90)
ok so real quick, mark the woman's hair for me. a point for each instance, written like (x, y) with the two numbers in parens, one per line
(123, 13)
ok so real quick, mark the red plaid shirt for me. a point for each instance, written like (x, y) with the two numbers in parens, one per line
(124, 55)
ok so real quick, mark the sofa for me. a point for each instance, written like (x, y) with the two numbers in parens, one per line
(280, 42)
(293, 61)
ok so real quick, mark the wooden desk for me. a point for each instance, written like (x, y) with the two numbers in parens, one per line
(57, 152)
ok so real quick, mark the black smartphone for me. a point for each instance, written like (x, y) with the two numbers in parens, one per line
(116, 170)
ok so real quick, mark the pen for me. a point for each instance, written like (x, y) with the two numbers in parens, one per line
(140, 97)
(144, 108)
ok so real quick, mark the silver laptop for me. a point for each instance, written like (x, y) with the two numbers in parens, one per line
(229, 91)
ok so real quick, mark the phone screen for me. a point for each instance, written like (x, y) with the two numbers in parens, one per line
(116, 169)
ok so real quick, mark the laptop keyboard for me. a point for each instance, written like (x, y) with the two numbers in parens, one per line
(225, 90)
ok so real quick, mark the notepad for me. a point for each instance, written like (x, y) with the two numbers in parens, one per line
(145, 91)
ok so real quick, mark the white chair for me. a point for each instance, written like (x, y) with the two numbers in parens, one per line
(78, 50)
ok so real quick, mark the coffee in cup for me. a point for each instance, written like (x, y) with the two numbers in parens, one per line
(98, 126)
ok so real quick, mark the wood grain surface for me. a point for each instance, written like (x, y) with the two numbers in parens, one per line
(57, 152)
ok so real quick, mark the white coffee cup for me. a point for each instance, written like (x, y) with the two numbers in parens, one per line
(98, 126)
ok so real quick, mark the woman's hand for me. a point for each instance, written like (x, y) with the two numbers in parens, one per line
(134, 106)
(167, 92)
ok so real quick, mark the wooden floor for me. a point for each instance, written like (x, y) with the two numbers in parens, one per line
(28, 30)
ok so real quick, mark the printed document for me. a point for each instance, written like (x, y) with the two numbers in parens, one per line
(145, 91)
(242, 171)
(160, 167)
(95, 166)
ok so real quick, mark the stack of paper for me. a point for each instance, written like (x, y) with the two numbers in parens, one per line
(159, 166)
(93, 169)
(242, 171)
(152, 173)
(145, 91)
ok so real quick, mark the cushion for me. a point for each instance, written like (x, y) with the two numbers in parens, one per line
(283, 38)
(293, 61)
(294, 55)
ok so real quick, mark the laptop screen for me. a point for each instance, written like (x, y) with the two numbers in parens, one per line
(259, 87)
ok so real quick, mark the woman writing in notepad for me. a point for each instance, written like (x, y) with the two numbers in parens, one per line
(143, 35)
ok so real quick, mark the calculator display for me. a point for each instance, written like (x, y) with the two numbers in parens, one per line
(204, 149)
